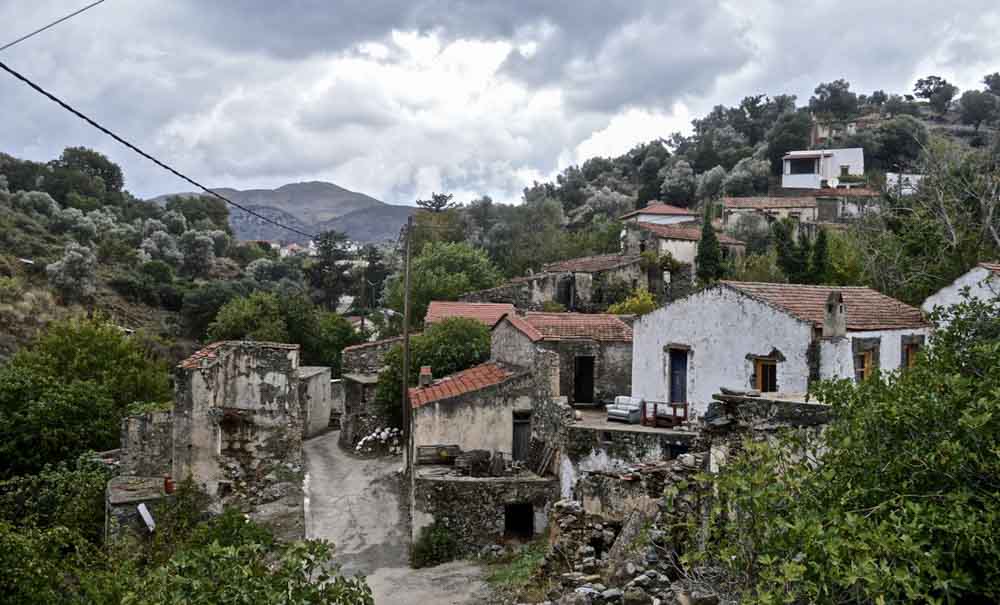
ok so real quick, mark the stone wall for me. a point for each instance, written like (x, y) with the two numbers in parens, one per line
(147, 444)
(517, 293)
(369, 357)
(122, 498)
(316, 397)
(238, 428)
(612, 366)
(475, 508)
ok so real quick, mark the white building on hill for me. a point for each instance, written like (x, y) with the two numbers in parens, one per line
(814, 169)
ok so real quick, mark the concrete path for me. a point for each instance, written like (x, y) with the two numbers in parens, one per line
(355, 503)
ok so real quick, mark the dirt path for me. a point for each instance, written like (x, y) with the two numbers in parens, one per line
(355, 504)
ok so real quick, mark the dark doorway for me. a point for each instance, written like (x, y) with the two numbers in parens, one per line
(522, 435)
(583, 380)
(564, 291)
(519, 520)
(678, 375)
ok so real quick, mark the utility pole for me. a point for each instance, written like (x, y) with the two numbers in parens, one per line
(406, 344)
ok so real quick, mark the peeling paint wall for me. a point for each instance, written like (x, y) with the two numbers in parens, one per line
(720, 327)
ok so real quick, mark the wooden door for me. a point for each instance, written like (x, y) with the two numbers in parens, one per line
(678, 375)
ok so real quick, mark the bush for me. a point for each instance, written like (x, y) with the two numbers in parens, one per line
(551, 306)
(255, 317)
(639, 303)
(11, 289)
(134, 288)
(202, 304)
(73, 277)
(448, 347)
(436, 544)
(158, 271)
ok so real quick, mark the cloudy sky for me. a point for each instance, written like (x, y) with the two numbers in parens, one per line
(397, 99)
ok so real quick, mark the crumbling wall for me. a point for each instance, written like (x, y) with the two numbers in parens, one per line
(238, 427)
(518, 293)
(147, 444)
(475, 508)
(369, 357)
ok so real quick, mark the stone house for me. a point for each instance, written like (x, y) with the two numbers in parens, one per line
(658, 213)
(485, 313)
(769, 337)
(594, 351)
(981, 281)
(679, 240)
(800, 209)
(361, 365)
(241, 411)
(579, 284)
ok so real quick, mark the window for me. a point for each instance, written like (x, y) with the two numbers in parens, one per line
(766, 372)
(910, 346)
(802, 166)
(845, 170)
(863, 366)
(635, 284)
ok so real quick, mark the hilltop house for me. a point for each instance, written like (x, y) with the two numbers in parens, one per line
(658, 213)
(769, 337)
(982, 282)
(814, 169)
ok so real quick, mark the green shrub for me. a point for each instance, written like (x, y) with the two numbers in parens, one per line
(436, 544)
(11, 289)
(551, 306)
(639, 303)
(158, 271)
(134, 288)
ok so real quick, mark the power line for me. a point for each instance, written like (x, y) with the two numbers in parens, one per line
(54, 23)
(114, 136)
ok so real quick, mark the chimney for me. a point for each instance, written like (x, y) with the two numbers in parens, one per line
(426, 377)
(835, 316)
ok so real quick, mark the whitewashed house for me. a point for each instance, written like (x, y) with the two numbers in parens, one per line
(658, 213)
(814, 169)
(982, 282)
(775, 338)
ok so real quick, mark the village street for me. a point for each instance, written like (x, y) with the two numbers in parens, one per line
(355, 503)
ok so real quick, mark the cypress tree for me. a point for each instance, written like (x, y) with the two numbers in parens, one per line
(709, 258)
(821, 268)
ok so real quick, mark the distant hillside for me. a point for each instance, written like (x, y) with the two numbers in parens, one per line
(312, 207)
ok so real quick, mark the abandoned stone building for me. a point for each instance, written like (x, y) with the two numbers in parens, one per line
(485, 313)
(769, 337)
(360, 367)
(679, 240)
(594, 351)
(579, 284)
(981, 282)
(241, 410)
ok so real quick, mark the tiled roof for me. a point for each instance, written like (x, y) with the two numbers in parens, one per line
(591, 264)
(660, 209)
(686, 231)
(487, 313)
(994, 267)
(762, 203)
(210, 353)
(570, 326)
(466, 381)
(866, 309)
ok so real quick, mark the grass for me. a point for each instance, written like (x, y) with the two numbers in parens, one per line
(516, 574)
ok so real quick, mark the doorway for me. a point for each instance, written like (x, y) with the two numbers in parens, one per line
(583, 380)
(522, 435)
(519, 520)
(678, 375)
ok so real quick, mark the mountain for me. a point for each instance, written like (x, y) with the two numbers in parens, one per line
(312, 207)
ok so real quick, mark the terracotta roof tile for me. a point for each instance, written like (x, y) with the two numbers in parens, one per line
(659, 209)
(569, 326)
(466, 381)
(487, 313)
(591, 264)
(208, 354)
(761, 203)
(866, 309)
(852, 192)
(686, 231)
(994, 267)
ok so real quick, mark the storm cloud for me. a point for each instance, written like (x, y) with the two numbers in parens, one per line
(398, 99)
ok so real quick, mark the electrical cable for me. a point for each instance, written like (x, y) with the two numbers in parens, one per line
(54, 23)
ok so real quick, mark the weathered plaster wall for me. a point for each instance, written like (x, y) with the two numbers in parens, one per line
(482, 419)
(682, 250)
(316, 397)
(837, 354)
(147, 444)
(473, 508)
(511, 346)
(722, 328)
(982, 284)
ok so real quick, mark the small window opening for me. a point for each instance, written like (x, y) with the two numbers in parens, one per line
(845, 170)
(862, 366)
(766, 371)
(519, 520)
(910, 351)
